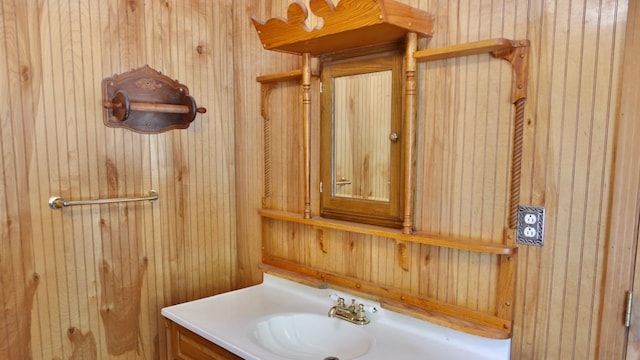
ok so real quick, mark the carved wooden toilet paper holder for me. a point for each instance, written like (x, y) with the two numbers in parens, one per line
(145, 101)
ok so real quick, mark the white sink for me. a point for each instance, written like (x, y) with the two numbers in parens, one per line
(283, 320)
(303, 336)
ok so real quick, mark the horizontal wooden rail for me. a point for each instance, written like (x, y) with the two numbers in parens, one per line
(468, 49)
(278, 77)
(467, 245)
(457, 317)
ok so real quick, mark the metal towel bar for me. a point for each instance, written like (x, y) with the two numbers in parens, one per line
(56, 202)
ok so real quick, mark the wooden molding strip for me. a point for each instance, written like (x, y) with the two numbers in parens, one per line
(453, 316)
(467, 245)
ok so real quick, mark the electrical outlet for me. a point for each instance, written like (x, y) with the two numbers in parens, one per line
(530, 227)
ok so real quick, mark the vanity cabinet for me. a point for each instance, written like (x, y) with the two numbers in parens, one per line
(187, 345)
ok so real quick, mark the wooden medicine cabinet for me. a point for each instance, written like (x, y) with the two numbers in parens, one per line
(360, 142)
(353, 26)
(348, 47)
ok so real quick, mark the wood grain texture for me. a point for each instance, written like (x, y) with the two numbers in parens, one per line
(89, 282)
(464, 130)
(622, 272)
(53, 55)
(347, 25)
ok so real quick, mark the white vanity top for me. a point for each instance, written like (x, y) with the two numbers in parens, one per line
(229, 320)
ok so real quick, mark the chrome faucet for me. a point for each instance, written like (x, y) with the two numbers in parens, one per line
(353, 314)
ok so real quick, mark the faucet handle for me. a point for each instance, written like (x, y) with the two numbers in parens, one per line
(361, 315)
(369, 308)
(361, 312)
(364, 309)
(352, 307)
(339, 300)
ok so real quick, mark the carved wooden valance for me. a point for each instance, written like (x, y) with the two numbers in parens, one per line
(351, 24)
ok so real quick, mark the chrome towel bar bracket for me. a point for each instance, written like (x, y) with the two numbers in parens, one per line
(56, 202)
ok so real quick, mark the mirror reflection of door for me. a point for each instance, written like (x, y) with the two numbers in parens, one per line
(362, 148)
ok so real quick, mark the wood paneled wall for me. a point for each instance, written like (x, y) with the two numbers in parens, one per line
(89, 282)
(464, 126)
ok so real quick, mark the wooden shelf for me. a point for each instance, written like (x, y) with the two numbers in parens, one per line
(351, 24)
(278, 77)
(468, 49)
(466, 245)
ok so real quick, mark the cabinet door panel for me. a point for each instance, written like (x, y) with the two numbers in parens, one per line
(190, 346)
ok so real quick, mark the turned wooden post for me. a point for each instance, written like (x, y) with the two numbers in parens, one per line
(409, 131)
(306, 128)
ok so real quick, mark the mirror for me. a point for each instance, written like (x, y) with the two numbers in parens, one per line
(361, 117)
(361, 156)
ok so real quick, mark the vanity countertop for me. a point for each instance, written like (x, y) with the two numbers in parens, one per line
(228, 320)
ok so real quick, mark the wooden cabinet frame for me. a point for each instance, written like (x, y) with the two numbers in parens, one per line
(386, 213)
(498, 323)
(187, 345)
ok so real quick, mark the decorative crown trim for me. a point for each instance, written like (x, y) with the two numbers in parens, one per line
(349, 25)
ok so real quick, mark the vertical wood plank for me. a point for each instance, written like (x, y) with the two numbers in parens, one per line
(464, 132)
(73, 269)
(54, 55)
(621, 265)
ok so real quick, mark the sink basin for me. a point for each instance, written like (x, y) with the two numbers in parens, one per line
(280, 319)
(311, 336)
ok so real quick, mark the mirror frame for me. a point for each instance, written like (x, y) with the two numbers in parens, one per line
(382, 213)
